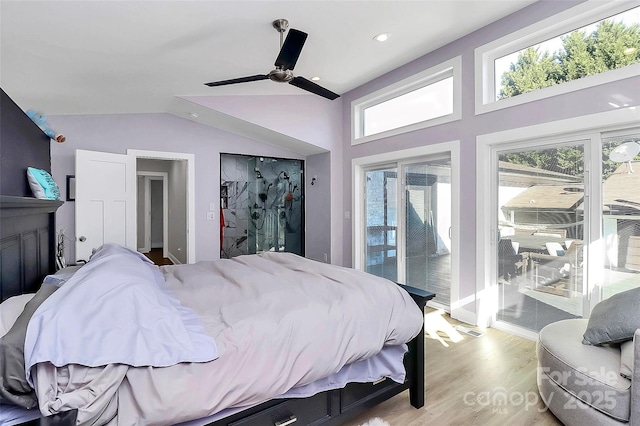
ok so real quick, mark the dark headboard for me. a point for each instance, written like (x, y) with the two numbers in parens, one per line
(27, 241)
(27, 224)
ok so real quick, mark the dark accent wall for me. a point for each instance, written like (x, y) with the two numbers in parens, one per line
(22, 144)
(27, 224)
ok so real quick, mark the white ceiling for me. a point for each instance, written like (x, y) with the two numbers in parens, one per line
(85, 57)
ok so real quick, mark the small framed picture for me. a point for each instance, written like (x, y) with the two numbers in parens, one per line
(71, 188)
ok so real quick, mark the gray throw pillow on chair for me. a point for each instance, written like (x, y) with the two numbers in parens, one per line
(615, 319)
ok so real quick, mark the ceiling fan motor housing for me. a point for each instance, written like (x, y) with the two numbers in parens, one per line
(281, 76)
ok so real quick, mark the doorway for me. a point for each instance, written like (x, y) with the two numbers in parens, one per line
(176, 171)
(405, 219)
(106, 200)
(408, 224)
(153, 213)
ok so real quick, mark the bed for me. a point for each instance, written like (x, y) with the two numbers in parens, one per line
(328, 392)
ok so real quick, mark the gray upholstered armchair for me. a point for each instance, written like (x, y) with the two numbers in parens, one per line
(597, 383)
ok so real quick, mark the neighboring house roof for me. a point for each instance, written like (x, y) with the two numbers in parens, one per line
(620, 194)
(621, 190)
(547, 197)
(523, 176)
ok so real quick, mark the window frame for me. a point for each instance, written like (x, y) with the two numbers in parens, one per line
(567, 21)
(450, 68)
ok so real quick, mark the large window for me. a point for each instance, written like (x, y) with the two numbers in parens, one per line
(426, 99)
(561, 212)
(585, 46)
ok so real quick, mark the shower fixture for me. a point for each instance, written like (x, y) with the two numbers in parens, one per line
(263, 195)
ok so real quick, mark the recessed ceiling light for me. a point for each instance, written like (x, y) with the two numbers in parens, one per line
(382, 37)
(316, 78)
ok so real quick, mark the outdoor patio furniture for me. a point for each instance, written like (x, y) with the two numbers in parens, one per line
(559, 264)
(510, 263)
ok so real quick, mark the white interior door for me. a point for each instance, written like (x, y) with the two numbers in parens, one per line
(105, 201)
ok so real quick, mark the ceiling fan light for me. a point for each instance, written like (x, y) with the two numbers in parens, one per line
(382, 37)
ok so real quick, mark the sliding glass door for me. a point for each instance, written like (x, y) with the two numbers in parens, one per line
(568, 226)
(407, 214)
(620, 211)
(427, 205)
(541, 211)
(381, 222)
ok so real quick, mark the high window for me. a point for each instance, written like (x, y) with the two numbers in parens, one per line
(582, 47)
(429, 98)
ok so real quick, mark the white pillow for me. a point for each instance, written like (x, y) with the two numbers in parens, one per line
(626, 359)
(11, 309)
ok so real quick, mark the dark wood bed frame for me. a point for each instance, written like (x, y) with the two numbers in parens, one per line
(27, 241)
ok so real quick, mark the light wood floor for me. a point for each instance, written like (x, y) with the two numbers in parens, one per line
(462, 378)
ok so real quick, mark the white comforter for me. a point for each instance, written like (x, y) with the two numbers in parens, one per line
(278, 321)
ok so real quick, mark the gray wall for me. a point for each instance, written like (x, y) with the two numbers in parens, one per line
(318, 200)
(587, 101)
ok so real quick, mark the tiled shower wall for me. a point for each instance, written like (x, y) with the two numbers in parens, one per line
(262, 205)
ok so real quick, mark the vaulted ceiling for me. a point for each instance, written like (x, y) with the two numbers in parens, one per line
(83, 57)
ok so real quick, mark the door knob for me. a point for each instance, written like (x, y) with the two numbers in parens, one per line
(82, 239)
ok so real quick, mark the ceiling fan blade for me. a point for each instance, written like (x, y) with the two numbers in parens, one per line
(312, 87)
(238, 80)
(291, 49)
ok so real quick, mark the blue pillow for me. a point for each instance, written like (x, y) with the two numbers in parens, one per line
(42, 184)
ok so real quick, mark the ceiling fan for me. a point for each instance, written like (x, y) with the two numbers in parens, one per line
(285, 62)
